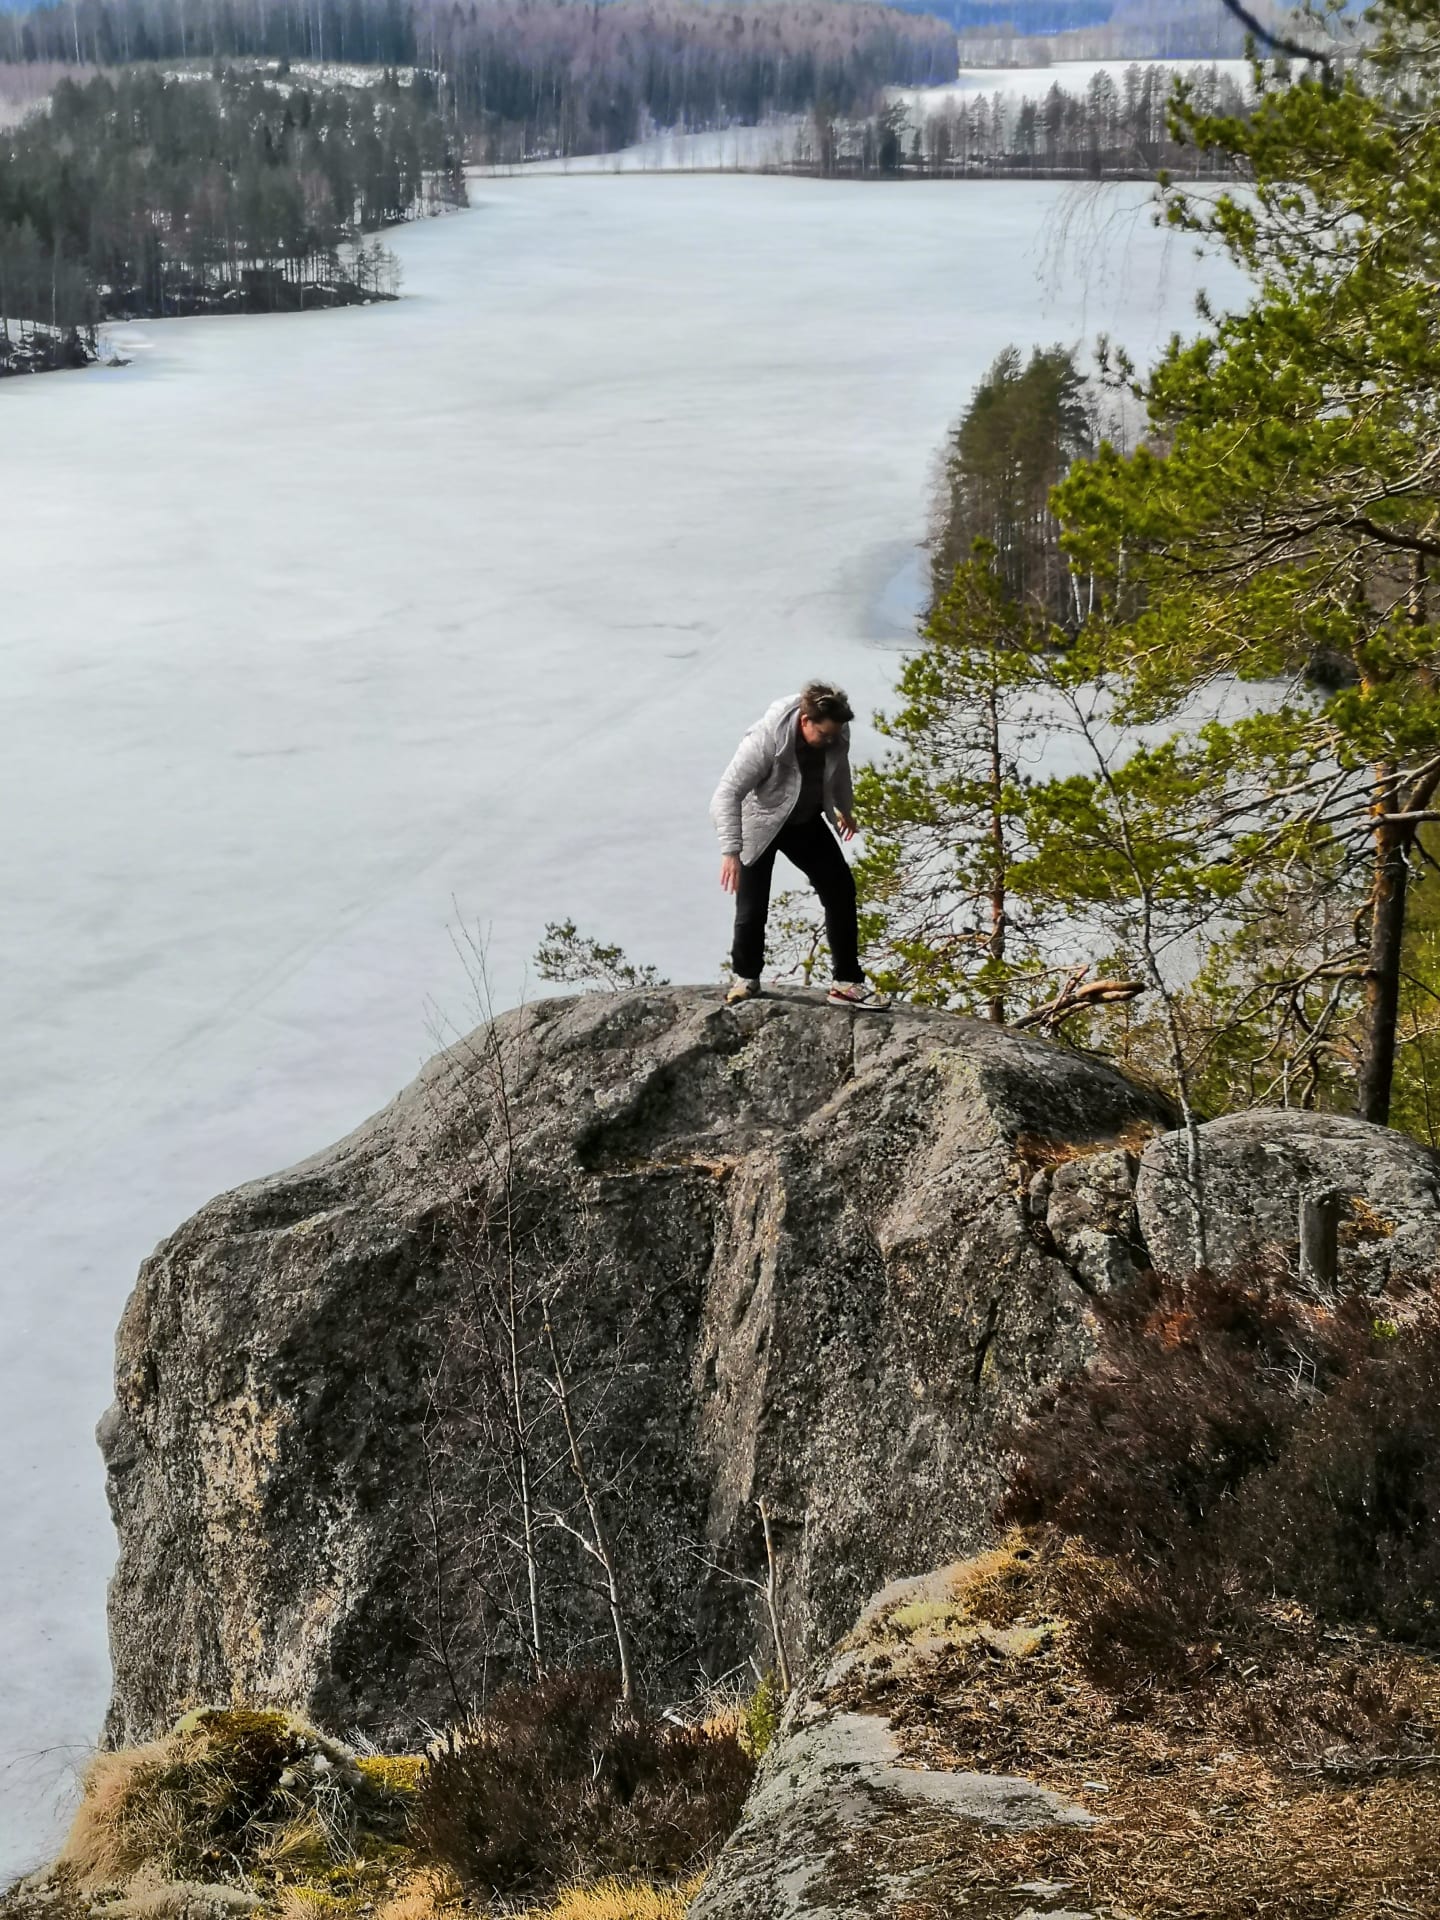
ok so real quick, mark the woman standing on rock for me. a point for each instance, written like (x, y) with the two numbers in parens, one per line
(790, 775)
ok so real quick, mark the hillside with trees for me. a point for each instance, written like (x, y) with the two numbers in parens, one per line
(1023, 33)
(531, 77)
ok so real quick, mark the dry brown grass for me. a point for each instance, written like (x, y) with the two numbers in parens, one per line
(1217, 1803)
(424, 1896)
(108, 1842)
(618, 1900)
(181, 1900)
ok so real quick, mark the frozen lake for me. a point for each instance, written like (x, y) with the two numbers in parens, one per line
(322, 634)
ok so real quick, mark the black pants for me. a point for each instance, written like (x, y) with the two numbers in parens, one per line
(814, 849)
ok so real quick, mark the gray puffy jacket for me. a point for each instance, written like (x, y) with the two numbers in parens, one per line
(760, 786)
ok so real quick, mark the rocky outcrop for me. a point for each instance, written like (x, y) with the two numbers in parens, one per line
(791, 1254)
(1256, 1166)
(842, 1823)
(837, 1825)
(824, 1238)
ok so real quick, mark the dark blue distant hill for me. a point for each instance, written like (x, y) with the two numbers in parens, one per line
(1026, 16)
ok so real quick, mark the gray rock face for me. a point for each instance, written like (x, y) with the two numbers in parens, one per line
(1255, 1168)
(801, 1248)
(834, 1814)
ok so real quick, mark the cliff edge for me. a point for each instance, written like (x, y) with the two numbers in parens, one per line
(793, 1254)
(519, 1360)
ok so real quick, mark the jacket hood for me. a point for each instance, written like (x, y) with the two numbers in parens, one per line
(779, 722)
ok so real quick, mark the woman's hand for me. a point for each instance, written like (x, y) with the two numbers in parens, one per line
(845, 824)
(730, 873)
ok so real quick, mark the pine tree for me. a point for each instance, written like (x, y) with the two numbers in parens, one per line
(1284, 521)
(945, 814)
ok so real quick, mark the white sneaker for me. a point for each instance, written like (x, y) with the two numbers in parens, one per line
(742, 990)
(855, 993)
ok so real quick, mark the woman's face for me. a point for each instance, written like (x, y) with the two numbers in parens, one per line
(819, 733)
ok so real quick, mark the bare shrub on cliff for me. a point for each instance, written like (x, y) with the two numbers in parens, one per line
(563, 1780)
(526, 1470)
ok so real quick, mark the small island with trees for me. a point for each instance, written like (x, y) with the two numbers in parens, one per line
(207, 161)
(155, 193)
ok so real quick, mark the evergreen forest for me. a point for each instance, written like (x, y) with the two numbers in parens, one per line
(1036, 32)
(1118, 127)
(191, 158)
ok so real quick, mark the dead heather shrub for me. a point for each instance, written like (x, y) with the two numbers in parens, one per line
(559, 1783)
(1249, 1469)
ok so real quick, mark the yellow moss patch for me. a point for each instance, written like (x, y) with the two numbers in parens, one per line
(1365, 1223)
(392, 1772)
(925, 1617)
(988, 1599)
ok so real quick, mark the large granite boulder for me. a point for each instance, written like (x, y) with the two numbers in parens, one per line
(790, 1254)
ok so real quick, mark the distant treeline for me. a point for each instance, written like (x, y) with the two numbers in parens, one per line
(152, 194)
(532, 77)
(1118, 125)
(550, 76)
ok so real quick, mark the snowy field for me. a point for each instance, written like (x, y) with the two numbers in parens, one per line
(322, 634)
(723, 150)
(1071, 76)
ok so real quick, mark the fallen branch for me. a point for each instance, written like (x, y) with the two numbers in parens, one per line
(1077, 995)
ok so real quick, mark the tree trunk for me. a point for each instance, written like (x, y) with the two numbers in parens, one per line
(1320, 1238)
(1382, 972)
(996, 1007)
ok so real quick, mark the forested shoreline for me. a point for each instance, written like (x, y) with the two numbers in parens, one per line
(154, 194)
(1119, 127)
(224, 181)
(1025, 33)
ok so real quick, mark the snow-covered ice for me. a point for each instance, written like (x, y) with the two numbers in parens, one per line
(321, 633)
